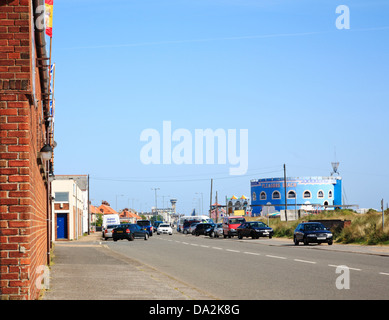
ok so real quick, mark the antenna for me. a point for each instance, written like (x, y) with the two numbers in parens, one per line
(335, 166)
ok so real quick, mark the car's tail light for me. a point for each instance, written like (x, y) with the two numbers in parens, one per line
(128, 230)
(106, 231)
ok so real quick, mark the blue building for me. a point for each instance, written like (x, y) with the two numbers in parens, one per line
(307, 193)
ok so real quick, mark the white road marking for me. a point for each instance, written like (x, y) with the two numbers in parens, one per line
(277, 257)
(384, 273)
(253, 253)
(305, 261)
(232, 250)
(332, 265)
(217, 248)
(204, 246)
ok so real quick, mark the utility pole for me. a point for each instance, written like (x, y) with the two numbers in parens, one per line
(210, 200)
(383, 216)
(286, 201)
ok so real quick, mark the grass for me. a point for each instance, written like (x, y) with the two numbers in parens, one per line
(364, 229)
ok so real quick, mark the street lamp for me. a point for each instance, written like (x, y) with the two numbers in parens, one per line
(202, 202)
(46, 153)
(156, 204)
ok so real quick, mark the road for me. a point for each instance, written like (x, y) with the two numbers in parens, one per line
(262, 269)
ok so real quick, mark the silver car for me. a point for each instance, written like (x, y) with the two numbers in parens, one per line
(217, 231)
(107, 232)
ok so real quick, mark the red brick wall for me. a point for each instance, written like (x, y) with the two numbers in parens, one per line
(23, 191)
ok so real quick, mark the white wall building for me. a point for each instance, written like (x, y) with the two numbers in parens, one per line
(70, 208)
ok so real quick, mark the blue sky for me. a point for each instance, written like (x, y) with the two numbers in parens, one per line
(281, 69)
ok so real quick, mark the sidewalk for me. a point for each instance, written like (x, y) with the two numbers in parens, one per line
(86, 269)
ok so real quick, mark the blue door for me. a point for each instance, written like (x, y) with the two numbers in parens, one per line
(62, 226)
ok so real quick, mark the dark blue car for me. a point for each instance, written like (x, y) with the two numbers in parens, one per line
(146, 225)
(254, 229)
(312, 232)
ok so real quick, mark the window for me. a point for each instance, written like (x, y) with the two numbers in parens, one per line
(263, 195)
(254, 196)
(330, 194)
(291, 195)
(61, 197)
(320, 194)
(276, 195)
(307, 194)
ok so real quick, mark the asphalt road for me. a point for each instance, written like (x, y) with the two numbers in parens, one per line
(262, 269)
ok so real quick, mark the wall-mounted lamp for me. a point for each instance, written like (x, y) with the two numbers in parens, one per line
(46, 152)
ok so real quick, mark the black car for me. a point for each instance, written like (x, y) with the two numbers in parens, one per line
(254, 229)
(202, 228)
(146, 225)
(129, 232)
(312, 232)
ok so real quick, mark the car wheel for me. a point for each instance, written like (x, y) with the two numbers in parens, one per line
(296, 242)
(240, 236)
(330, 243)
(305, 241)
(146, 236)
(253, 235)
(270, 236)
(131, 238)
(115, 240)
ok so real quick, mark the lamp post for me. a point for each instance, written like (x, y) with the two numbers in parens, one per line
(202, 202)
(156, 203)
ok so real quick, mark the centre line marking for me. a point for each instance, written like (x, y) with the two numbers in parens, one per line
(277, 257)
(193, 244)
(217, 248)
(232, 250)
(253, 253)
(384, 273)
(204, 246)
(305, 261)
(332, 265)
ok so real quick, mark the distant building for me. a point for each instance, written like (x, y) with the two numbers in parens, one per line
(308, 193)
(68, 215)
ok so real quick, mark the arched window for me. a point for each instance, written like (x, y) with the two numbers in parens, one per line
(254, 196)
(307, 194)
(320, 194)
(291, 195)
(263, 195)
(330, 194)
(276, 195)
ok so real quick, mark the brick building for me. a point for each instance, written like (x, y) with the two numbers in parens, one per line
(25, 127)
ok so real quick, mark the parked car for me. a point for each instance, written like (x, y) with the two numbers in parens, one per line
(129, 232)
(164, 228)
(312, 232)
(230, 224)
(215, 231)
(254, 229)
(107, 232)
(156, 224)
(146, 225)
(202, 228)
(192, 227)
(187, 224)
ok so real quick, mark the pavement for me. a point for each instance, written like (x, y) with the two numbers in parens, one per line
(86, 269)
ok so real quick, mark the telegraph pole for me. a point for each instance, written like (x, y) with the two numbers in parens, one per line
(383, 216)
(210, 200)
(286, 201)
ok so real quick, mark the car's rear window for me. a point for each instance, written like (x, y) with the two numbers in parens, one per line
(143, 223)
(164, 225)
